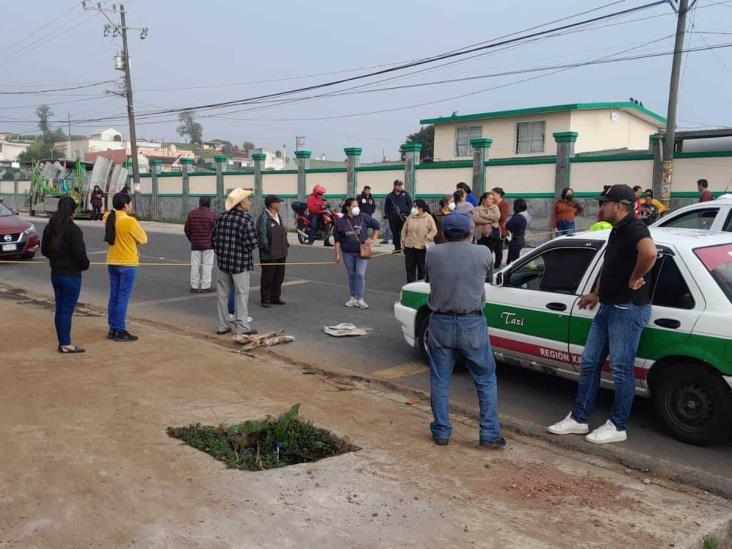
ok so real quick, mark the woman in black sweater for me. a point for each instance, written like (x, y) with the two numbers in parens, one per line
(63, 245)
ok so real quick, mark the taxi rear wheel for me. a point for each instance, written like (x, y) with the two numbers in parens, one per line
(695, 403)
(422, 325)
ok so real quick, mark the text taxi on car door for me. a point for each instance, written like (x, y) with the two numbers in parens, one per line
(684, 359)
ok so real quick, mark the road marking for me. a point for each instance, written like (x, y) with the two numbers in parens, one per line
(400, 371)
(192, 297)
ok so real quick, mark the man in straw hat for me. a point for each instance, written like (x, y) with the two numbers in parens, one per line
(234, 239)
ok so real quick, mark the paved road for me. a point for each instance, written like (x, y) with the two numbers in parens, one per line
(315, 297)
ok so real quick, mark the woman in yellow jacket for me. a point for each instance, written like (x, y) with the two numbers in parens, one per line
(123, 234)
(418, 233)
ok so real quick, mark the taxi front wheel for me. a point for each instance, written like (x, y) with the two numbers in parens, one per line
(695, 403)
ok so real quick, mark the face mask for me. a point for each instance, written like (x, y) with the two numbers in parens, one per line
(569, 197)
(414, 211)
(355, 211)
(451, 206)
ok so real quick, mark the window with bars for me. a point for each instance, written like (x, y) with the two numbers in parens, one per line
(530, 137)
(463, 136)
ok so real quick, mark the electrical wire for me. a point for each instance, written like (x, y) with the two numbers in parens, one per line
(79, 87)
(39, 29)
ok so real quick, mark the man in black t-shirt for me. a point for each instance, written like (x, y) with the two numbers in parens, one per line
(625, 309)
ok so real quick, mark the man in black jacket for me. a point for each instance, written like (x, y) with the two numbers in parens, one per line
(397, 206)
(273, 246)
(366, 202)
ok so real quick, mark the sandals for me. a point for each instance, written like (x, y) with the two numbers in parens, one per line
(70, 349)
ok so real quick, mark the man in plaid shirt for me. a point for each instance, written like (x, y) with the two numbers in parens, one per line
(234, 239)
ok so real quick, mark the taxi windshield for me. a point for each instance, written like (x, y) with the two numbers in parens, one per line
(718, 261)
(4, 212)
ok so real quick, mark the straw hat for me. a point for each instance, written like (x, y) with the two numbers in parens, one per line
(236, 196)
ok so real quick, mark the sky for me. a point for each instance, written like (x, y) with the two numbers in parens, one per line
(198, 53)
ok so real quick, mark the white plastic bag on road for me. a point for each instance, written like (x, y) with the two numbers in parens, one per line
(345, 329)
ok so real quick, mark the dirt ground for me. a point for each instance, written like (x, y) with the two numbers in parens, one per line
(85, 460)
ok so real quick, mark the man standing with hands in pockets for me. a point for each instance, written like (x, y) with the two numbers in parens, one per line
(625, 309)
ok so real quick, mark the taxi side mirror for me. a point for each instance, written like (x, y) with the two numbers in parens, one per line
(498, 279)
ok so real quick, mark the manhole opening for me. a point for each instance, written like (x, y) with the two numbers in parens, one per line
(271, 443)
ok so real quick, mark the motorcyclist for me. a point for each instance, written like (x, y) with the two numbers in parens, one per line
(317, 206)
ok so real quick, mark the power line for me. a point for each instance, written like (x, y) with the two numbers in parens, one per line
(432, 59)
(39, 29)
(82, 86)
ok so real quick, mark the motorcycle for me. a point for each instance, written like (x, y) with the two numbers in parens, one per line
(302, 224)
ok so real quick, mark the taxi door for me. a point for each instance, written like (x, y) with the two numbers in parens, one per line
(529, 309)
(676, 301)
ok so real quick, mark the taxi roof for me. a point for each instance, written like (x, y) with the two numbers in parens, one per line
(668, 236)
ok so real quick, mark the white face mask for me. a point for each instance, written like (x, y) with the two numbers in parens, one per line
(355, 211)
(414, 211)
(451, 206)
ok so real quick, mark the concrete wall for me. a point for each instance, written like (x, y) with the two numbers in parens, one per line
(598, 132)
(521, 178)
(380, 181)
(503, 133)
(591, 176)
(441, 181)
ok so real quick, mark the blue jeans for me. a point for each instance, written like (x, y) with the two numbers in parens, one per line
(616, 331)
(66, 289)
(232, 302)
(121, 282)
(356, 268)
(565, 227)
(448, 338)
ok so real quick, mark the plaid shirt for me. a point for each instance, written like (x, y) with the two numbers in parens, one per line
(234, 237)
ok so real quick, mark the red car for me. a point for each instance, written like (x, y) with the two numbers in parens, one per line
(18, 238)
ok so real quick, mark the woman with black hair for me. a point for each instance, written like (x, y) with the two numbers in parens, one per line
(418, 233)
(469, 196)
(123, 234)
(516, 225)
(565, 212)
(97, 203)
(63, 245)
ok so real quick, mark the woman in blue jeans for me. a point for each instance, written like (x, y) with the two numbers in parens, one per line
(123, 234)
(63, 245)
(352, 230)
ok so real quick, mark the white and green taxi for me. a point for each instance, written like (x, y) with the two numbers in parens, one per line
(684, 361)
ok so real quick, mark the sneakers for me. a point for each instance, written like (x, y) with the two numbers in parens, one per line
(606, 433)
(361, 304)
(351, 302)
(568, 426)
(232, 318)
(441, 441)
(499, 444)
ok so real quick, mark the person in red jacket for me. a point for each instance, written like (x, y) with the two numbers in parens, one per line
(317, 206)
(198, 228)
(705, 195)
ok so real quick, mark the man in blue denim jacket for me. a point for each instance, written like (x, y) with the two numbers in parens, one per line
(625, 309)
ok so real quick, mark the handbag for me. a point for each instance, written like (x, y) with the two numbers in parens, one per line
(365, 247)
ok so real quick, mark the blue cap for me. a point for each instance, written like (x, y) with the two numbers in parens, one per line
(456, 224)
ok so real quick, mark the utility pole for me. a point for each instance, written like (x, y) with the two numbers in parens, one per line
(123, 63)
(669, 140)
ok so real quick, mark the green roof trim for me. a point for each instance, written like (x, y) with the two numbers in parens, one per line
(385, 168)
(259, 156)
(353, 151)
(186, 161)
(449, 164)
(622, 105)
(412, 147)
(220, 158)
(303, 154)
(522, 160)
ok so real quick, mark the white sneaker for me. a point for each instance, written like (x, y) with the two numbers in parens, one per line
(361, 304)
(569, 426)
(607, 433)
(232, 318)
(352, 302)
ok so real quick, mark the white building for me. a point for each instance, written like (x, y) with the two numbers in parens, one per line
(9, 152)
(107, 140)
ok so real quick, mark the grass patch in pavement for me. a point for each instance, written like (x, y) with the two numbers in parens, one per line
(267, 444)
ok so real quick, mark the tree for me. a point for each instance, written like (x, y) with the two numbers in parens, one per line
(190, 128)
(425, 136)
(39, 150)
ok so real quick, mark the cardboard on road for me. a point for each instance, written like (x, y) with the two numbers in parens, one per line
(86, 460)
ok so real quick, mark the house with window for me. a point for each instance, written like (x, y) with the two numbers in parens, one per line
(624, 125)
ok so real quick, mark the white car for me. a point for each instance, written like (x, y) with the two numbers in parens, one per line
(715, 215)
(684, 359)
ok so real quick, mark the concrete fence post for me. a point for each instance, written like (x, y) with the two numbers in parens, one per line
(259, 159)
(15, 190)
(353, 155)
(220, 162)
(411, 160)
(480, 157)
(565, 151)
(186, 164)
(303, 163)
(155, 167)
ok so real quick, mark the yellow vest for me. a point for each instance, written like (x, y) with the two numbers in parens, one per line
(129, 234)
